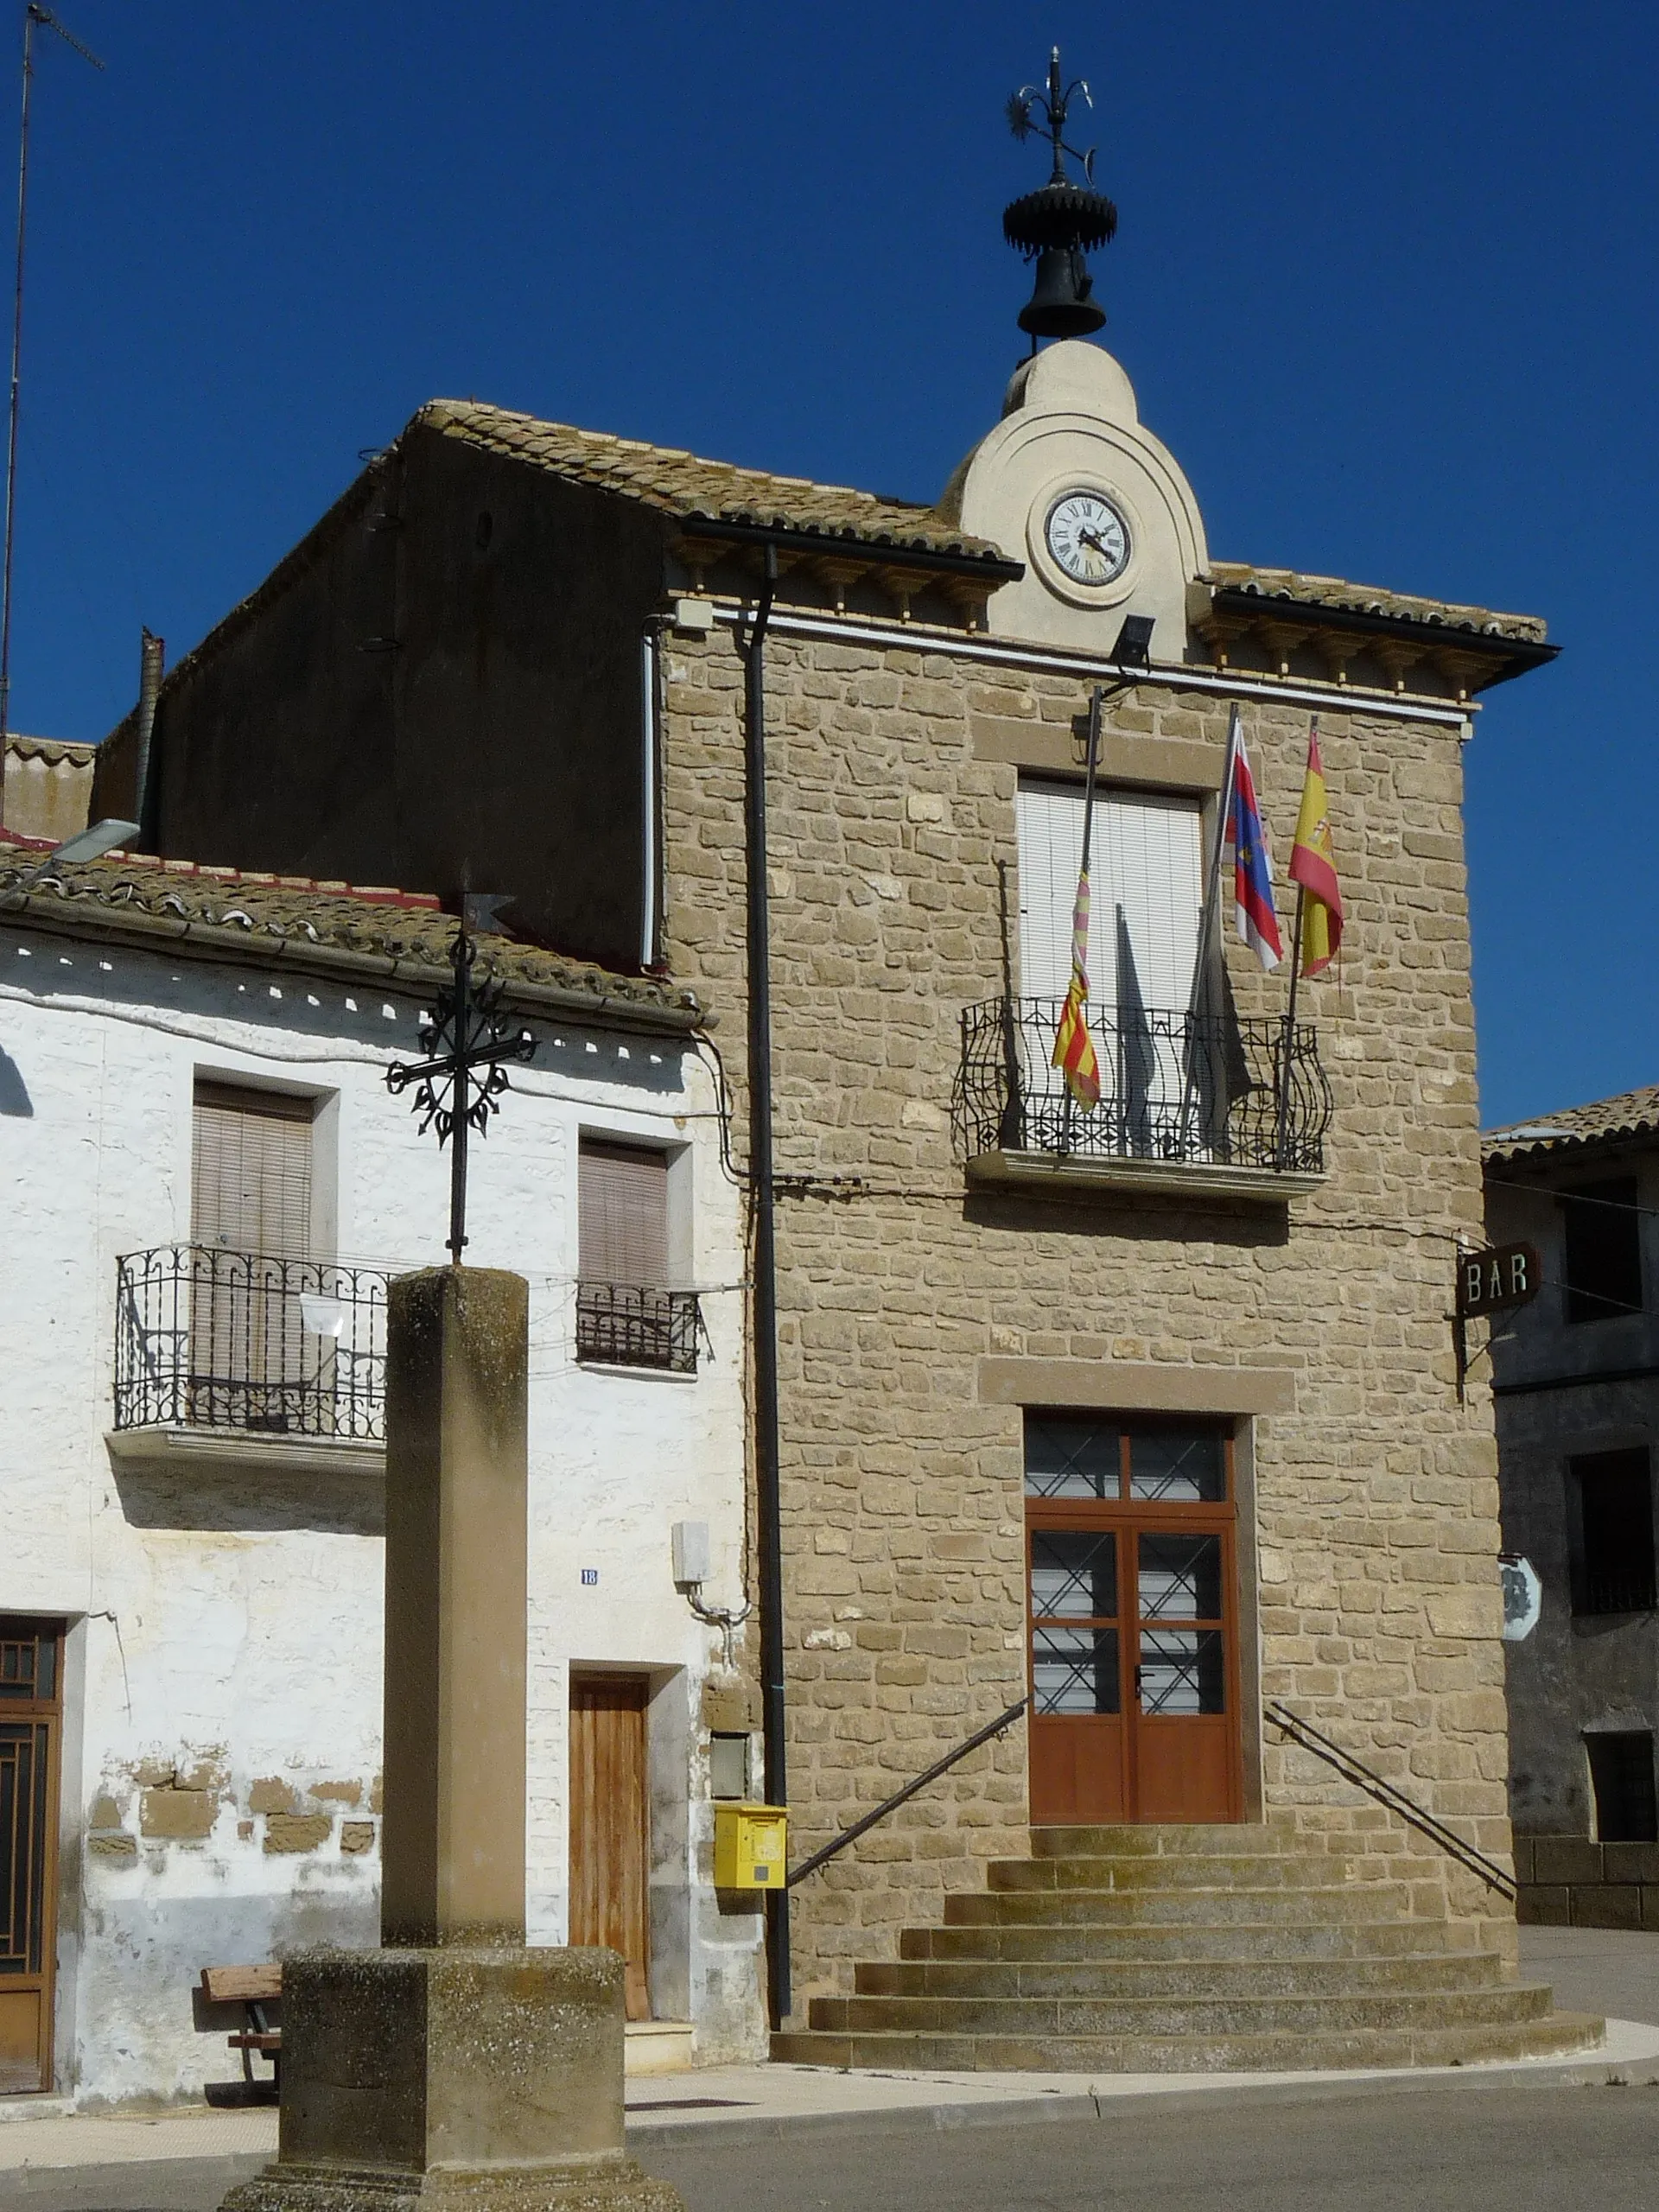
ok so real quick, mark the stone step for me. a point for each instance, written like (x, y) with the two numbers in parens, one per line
(1252, 1870)
(1212, 1840)
(1205, 1979)
(1556, 2034)
(1165, 1908)
(1203, 2017)
(1133, 1940)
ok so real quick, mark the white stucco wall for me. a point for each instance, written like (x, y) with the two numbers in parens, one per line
(227, 1625)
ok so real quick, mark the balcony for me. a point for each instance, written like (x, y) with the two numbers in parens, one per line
(1190, 1103)
(620, 1325)
(216, 1344)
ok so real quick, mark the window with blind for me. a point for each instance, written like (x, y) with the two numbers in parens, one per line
(250, 1176)
(251, 1216)
(1145, 881)
(623, 1214)
(625, 1317)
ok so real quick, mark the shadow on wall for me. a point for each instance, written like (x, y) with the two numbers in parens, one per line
(14, 1091)
(200, 1498)
(1137, 1217)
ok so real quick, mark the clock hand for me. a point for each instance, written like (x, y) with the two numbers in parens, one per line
(1088, 537)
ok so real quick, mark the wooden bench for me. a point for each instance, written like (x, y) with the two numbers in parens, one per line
(254, 1988)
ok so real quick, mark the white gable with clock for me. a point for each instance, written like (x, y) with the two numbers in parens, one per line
(1072, 484)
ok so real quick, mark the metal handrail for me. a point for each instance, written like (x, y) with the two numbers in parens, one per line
(1363, 1777)
(939, 1766)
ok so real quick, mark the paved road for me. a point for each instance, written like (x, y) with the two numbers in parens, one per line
(1464, 2147)
(1596, 1970)
(1460, 2149)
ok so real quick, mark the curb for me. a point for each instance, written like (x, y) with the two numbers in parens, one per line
(1044, 2109)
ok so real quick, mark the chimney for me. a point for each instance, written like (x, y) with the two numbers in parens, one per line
(152, 659)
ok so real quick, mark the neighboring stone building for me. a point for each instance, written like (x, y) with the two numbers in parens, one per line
(208, 1185)
(1177, 1375)
(1576, 1376)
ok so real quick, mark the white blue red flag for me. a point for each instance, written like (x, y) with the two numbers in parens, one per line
(1257, 923)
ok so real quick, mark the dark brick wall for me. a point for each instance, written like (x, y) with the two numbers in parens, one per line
(1566, 1881)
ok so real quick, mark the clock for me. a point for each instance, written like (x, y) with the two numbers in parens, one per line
(1087, 538)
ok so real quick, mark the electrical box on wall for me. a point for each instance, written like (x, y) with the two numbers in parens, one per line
(691, 1542)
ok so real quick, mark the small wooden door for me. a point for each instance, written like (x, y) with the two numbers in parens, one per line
(1134, 1671)
(30, 1706)
(610, 1825)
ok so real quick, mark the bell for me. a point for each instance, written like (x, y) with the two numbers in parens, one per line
(1061, 304)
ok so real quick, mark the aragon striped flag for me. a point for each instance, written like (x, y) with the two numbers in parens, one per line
(1074, 1048)
(1313, 869)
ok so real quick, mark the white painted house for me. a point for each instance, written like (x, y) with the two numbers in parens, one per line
(208, 1184)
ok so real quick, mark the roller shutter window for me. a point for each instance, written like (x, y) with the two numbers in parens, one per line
(1146, 879)
(250, 1186)
(623, 1215)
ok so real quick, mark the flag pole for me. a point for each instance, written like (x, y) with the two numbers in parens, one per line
(1209, 910)
(1290, 1029)
(1088, 779)
(1088, 832)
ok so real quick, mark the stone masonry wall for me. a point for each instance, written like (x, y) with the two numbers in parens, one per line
(1376, 1499)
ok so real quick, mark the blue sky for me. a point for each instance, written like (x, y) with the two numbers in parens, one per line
(1385, 282)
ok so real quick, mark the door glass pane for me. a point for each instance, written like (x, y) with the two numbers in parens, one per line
(1074, 1669)
(1180, 1577)
(1073, 1574)
(1071, 1459)
(1179, 1466)
(1181, 1671)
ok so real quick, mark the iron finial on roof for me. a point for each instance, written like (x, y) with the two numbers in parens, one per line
(1057, 224)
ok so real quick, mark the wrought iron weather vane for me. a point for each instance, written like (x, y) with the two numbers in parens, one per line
(1058, 224)
(469, 1048)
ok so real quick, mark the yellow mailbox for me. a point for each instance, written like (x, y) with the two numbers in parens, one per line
(751, 1843)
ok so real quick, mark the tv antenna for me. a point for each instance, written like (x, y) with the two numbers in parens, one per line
(32, 14)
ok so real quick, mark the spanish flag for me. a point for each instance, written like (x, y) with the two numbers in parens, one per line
(1074, 1048)
(1314, 868)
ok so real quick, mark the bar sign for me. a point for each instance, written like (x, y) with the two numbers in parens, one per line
(1501, 1276)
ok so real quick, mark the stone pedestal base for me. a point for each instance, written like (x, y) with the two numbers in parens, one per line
(454, 2080)
(611, 2185)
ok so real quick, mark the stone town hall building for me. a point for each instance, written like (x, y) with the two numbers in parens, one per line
(1148, 1414)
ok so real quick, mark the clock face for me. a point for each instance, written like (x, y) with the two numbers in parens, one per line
(1088, 537)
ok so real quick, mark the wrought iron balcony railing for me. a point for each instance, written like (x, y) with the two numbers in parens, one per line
(1204, 1089)
(211, 1338)
(620, 1325)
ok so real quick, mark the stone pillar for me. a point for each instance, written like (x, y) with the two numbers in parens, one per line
(454, 2066)
(452, 1840)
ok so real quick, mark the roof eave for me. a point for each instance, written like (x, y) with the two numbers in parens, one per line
(137, 927)
(1510, 657)
(993, 568)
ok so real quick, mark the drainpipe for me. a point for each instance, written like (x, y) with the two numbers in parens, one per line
(764, 1309)
(152, 659)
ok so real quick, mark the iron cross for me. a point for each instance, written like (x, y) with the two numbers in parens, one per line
(464, 1040)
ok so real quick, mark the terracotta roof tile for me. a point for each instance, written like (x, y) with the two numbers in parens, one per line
(52, 750)
(689, 487)
(380, 925)
(1605, 1121)
(1367, 599)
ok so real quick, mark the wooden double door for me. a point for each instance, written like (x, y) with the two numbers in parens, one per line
(610, 1825)
(31, 1704)
(1132, 1621)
